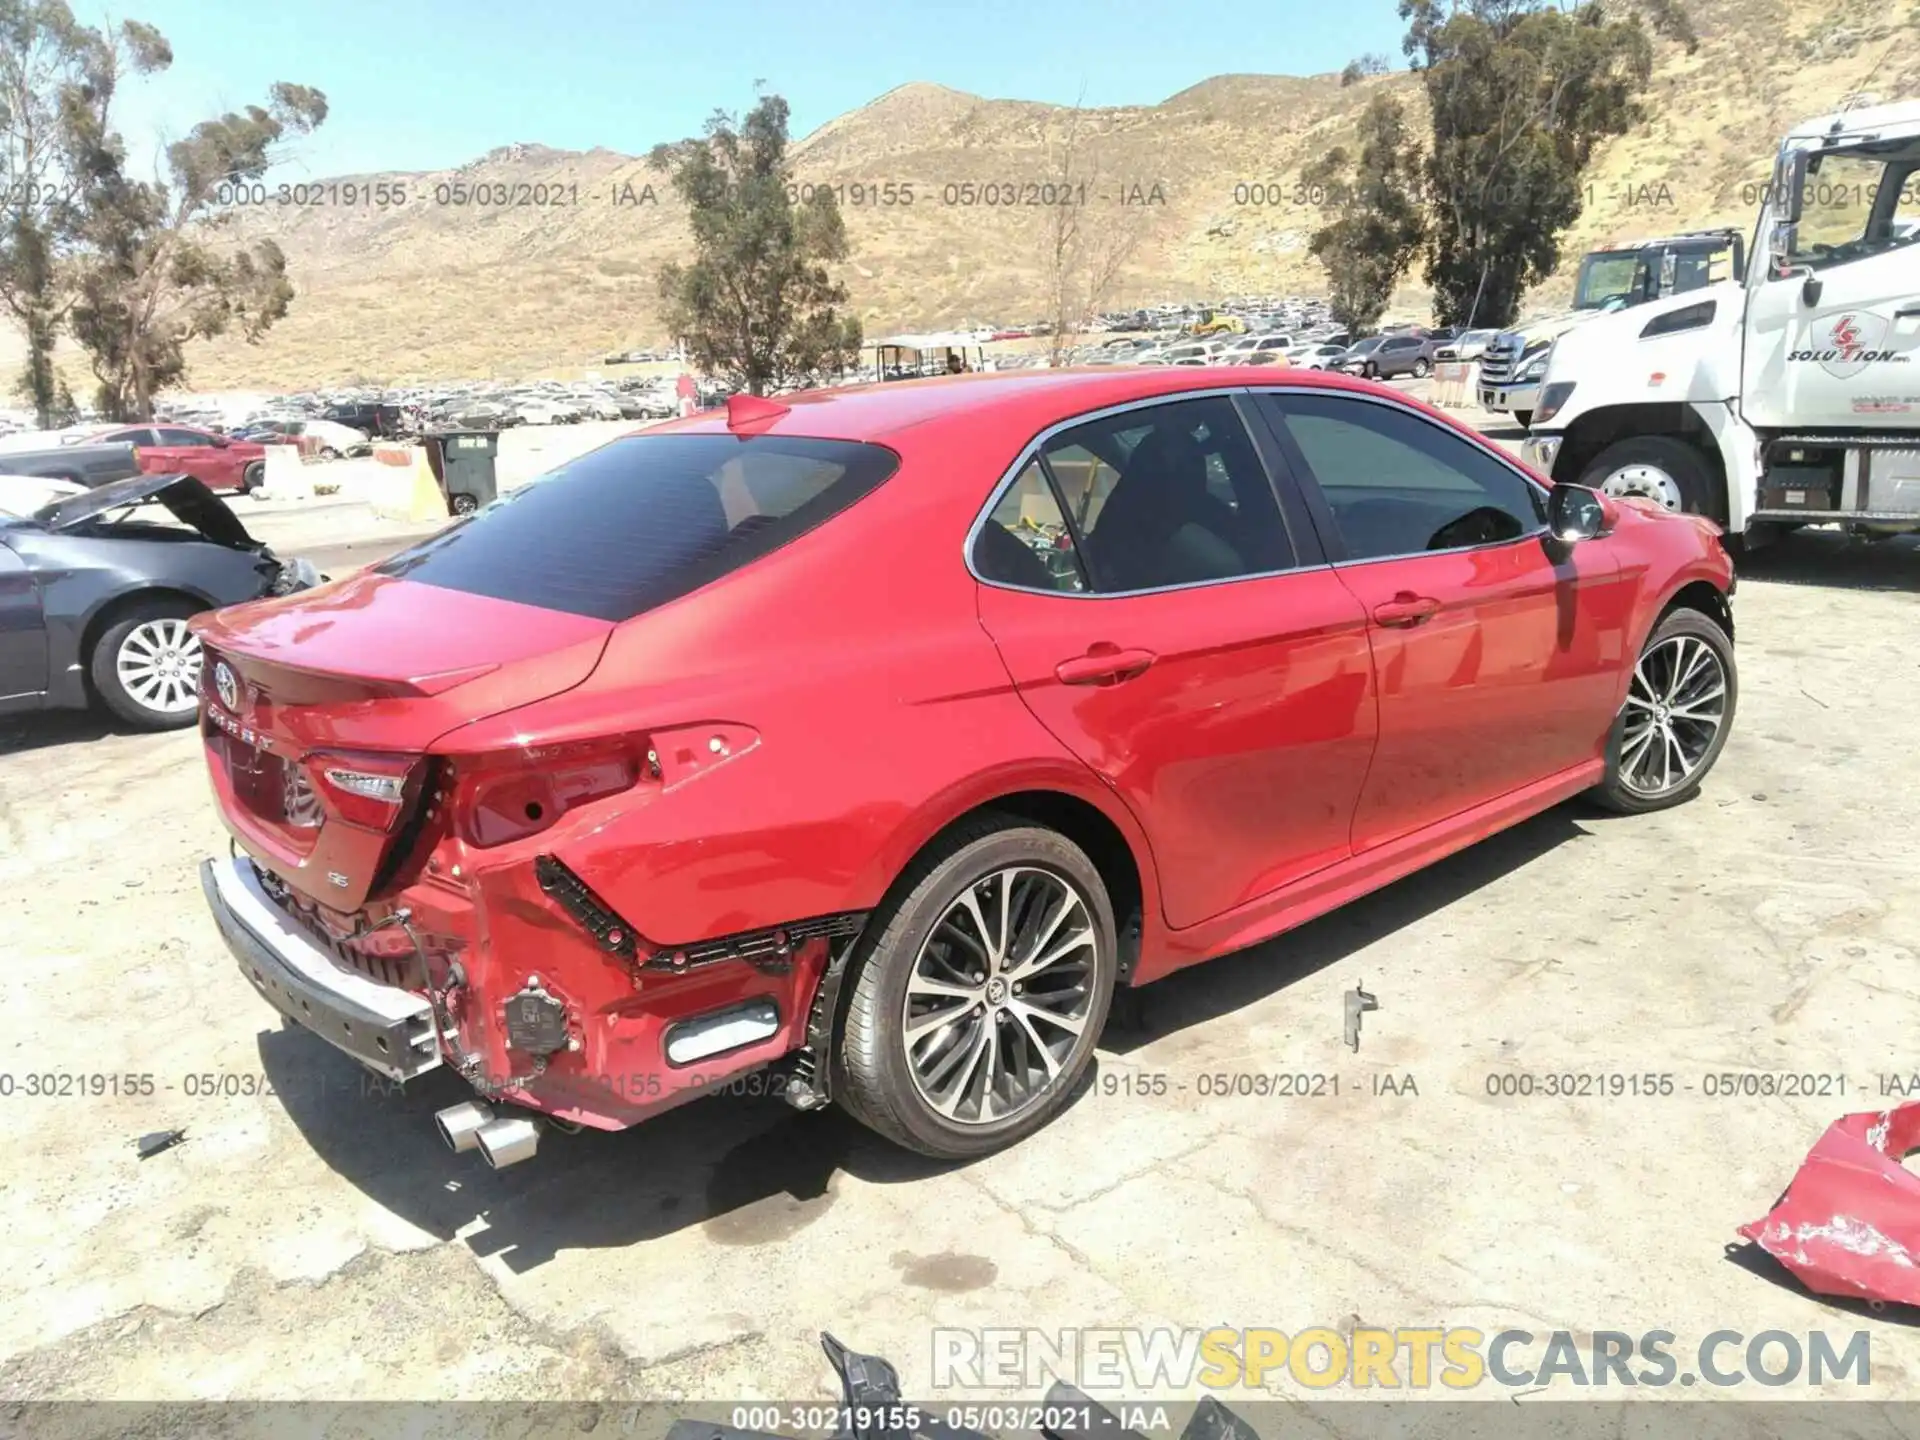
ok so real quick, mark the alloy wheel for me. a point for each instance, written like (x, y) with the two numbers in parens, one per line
(1000, 995)
(159, 666)
(1675, 708)
(1645, 481)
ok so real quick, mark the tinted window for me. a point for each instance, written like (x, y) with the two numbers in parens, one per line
(169, 436)
(645, 520)
(1025, 541)
(1169, 495)
(1399, 485)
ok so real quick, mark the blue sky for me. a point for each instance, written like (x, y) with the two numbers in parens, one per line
(422, 84)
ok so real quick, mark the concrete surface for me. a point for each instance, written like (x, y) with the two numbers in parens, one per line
(320, 1242)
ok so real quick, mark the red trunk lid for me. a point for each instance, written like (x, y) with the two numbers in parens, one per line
(350, 685)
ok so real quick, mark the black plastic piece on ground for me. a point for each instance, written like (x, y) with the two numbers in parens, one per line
(1213, 1421)
(154, 1142)
(1063, 1400)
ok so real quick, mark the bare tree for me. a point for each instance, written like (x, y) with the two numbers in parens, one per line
(1086, 248)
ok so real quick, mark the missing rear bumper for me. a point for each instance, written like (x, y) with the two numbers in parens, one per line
(388, 1030)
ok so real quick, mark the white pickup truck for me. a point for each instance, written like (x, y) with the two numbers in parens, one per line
(1788, 398)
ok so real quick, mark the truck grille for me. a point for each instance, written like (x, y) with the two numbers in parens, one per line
(1502, 359)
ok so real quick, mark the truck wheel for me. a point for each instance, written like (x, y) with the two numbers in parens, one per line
(979, 992)
(1675, 722)
(146, 665)
(1659, 468)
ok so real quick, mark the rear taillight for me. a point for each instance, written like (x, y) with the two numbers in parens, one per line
(511, 796)
(366, 790)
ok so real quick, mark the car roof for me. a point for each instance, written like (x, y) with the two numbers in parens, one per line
(1022, 399)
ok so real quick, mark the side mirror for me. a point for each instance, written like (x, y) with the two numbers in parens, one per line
(1575, 513)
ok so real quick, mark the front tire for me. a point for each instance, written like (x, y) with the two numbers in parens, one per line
(1421, 369)
(253, 477)
(979, 992)
(1659, 468)
(146, 665)
(1676, 719)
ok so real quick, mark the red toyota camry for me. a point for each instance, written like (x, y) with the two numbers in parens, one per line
(867, 740)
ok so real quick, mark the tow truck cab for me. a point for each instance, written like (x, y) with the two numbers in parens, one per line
(1611, 277)
(1791, 397)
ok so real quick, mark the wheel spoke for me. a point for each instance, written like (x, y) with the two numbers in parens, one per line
(1072, 1024)
(926, 985)
(972, 902)
(935, 1020)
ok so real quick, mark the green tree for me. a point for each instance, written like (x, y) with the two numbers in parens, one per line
(1520, 93)
(1377, 227)
(756, 306)
(44, 55)
(1366, 66)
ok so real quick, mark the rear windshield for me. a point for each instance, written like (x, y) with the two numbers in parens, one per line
(645, 520)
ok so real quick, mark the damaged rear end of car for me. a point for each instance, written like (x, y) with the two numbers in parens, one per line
(429, 818)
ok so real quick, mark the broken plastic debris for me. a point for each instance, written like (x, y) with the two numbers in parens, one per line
(1848, 1224)
(1359, 1002)
(155, 1141)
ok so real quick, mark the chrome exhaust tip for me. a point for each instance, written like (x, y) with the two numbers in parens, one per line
(460, 1125)
(509, 1141)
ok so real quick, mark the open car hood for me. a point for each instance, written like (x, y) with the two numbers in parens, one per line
(191, 502)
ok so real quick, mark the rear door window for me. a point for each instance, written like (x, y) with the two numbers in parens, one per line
(645, 520)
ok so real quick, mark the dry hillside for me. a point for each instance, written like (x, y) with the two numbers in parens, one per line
(433, 290)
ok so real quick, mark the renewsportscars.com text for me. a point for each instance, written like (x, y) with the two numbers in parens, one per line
(1458, 1358)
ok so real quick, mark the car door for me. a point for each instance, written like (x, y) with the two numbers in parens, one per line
(1186, 640)
(1496, 654)
(23, 635)
(202, 456)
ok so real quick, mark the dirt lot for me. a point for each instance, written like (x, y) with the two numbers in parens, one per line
(1769, 927)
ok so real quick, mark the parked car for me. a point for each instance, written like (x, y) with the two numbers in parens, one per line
(95, 595)
(220, 462)
(376, 419)
(1385, 356)
(314, 439)
(659, 809)
(1316, 357)
(90, 464)
(1249, 345)
(1468, 345)
(546, 412)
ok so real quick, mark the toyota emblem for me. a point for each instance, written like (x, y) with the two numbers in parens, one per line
(228, 687)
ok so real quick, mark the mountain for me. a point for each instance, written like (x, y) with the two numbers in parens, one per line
(531, 260)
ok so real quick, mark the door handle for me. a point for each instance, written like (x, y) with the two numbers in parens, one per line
(1406, 609)
(1103, 665)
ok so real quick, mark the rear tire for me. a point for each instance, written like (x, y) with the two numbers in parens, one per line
(978, 1046)
(146, 665)
(1661, 746)
(253, 477)
(1421, 368)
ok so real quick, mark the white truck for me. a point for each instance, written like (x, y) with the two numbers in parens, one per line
(1789, 398)
(1611, 277)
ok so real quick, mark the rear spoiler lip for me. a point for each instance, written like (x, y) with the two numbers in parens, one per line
(398, 687)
